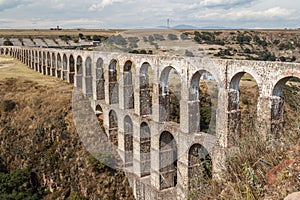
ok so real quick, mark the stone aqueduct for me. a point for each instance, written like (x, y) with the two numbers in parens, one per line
(132, 91)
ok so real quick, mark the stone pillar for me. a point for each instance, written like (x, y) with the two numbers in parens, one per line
(136, 149)
(234, 117)
(219, 154)
(155, 102)
(121, 138)
(277, 110)
(87, 86)
(189, 116)
(155, 181)
(127, 88)
(137, 94)
(270, 118)
(164, 104)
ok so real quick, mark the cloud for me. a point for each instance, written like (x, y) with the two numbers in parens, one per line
(103, 3)
(8, 4)
(225, 4)
(274, 13)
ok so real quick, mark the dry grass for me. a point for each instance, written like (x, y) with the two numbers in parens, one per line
(13, 68)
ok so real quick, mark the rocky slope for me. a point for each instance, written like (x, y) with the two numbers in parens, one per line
(38, 137)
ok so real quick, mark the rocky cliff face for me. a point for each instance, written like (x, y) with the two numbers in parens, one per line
(38, 135)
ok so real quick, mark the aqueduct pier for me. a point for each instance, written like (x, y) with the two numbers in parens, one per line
(132, 92)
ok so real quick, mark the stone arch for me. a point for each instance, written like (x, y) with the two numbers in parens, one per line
(88, 77)
(199, 167)
(128, 141)
(31, 59)
(65, 67)
(169, 95)
(53, 66)
(113, 82)
(44, 63)
(6, 51)
(2, 51)
(100, 81)
(203, 102)
(167, 160)
(36, 61)
(281, 92)
(79, 72)
(40, 61)
(59, 66)
(241, 114)
(146, 88)
(48, 59)
(71, 68)
(128, 85)
(48, 63)
(145, 149)
(113, 127)
(99, 114)
(26, 57)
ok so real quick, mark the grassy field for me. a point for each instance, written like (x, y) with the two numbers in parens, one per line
(11, 68)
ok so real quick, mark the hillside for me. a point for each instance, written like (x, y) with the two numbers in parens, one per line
(41, 155)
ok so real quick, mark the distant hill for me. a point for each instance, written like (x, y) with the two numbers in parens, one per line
(180, 26)
(184, 26)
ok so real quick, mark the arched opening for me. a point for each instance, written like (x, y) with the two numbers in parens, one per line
(48, 63)
(199, 169)
(128, 86)
(44, 63)
(88, 77)
(100, 81)
(31, 59)
(2, 51)
(146, 88)
(53, 67)
(145, 149)
(169, 95)
(128, 141)
(59, 66)
(72, 69)
(40, 61)
(36, 61)
(242, 104)
(65, 67)
(285, 110)
(167, 160)
(99, 114)
(28, 57)
(113, 127)
(79, 72)
(113, 82)
(203, 96)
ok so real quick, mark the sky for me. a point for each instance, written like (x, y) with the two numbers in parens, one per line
(138, 14)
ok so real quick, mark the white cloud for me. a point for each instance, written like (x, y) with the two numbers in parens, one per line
(103, 3)
(225, 3)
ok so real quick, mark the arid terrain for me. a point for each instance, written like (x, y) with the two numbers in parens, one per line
(41, 155)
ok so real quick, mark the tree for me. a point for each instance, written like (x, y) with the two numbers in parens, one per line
(80, 35)
(8, 43)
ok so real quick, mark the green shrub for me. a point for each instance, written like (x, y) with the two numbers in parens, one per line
(8, 43)
(20, 184)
